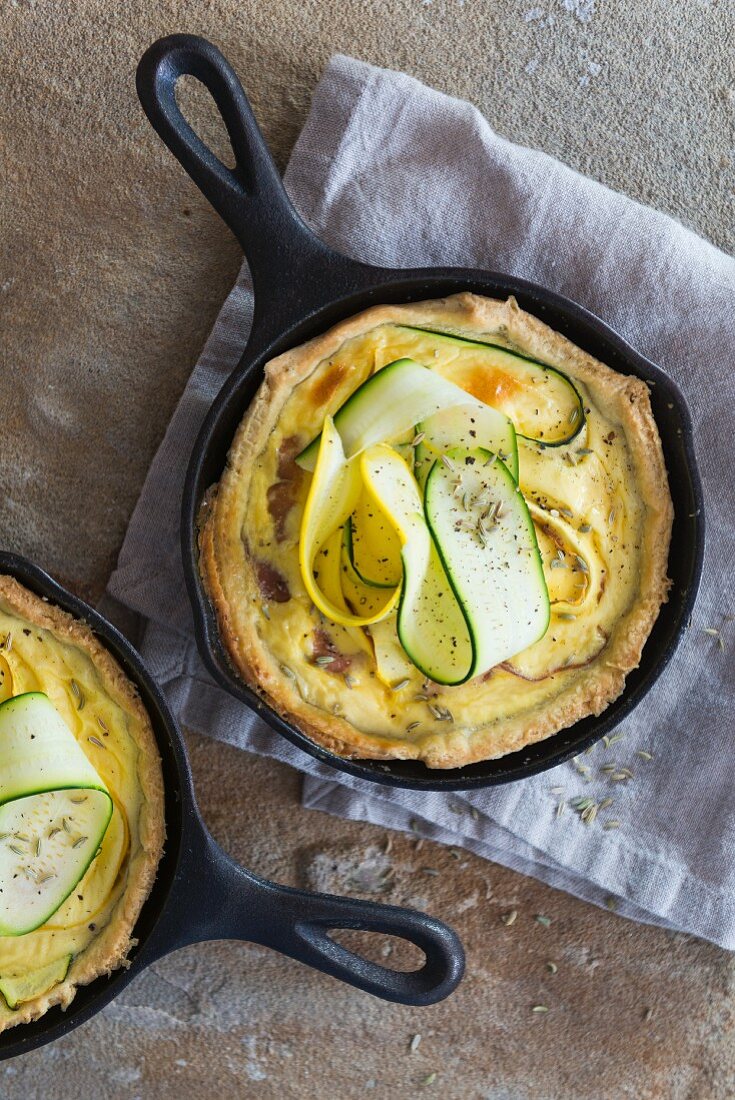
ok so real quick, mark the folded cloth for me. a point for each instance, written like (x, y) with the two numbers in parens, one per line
(392, 172)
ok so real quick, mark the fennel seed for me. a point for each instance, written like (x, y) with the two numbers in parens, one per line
(509, 919)
(78, 694)
(96, 741)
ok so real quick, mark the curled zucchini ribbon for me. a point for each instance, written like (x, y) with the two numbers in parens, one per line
(54, 811)
(471, 591)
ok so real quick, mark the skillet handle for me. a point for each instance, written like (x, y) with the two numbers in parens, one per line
(214, 898)
(297, 923)
(251, 197)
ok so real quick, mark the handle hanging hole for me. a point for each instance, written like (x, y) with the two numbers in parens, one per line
(392, 952)
(201, 112)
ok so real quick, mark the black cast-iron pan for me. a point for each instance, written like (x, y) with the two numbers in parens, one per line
(302, 287)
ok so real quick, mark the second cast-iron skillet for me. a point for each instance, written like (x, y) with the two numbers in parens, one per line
(200, 893)
(302, 287)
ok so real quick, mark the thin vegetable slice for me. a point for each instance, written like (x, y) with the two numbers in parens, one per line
(390, 402)
(430, 624)
(487, 544)
(392, 665)
(372, 545)
(25, 987)
(542, 402)
(54, 810)
(466, 426)
(333, 496)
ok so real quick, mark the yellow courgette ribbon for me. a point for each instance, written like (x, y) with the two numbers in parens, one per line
(328, 578)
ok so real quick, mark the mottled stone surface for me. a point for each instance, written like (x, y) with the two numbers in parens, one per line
(111, 274)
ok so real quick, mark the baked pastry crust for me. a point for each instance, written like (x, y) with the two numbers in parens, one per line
(109, 949)
(230, 571)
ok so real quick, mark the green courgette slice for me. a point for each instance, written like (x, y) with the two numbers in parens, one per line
(54, 810)
(487, 544)
(391, 401)
(542, 402)
(473, 591)
(467, 427)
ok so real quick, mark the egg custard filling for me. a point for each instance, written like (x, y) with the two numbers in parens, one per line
(442, 533)
(81, 807)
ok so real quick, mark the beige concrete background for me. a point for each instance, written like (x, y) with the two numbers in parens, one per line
(111, 274)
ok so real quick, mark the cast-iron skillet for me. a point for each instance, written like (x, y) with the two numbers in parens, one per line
(201, 894)
(301, 288)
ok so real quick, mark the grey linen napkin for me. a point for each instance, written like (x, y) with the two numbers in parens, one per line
(392, 172)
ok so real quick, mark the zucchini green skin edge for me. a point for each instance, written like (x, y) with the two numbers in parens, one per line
(46, 788)
(468, 612)
(452, 338)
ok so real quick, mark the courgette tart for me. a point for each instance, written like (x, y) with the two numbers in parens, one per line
(81, 807)
(441, 534)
